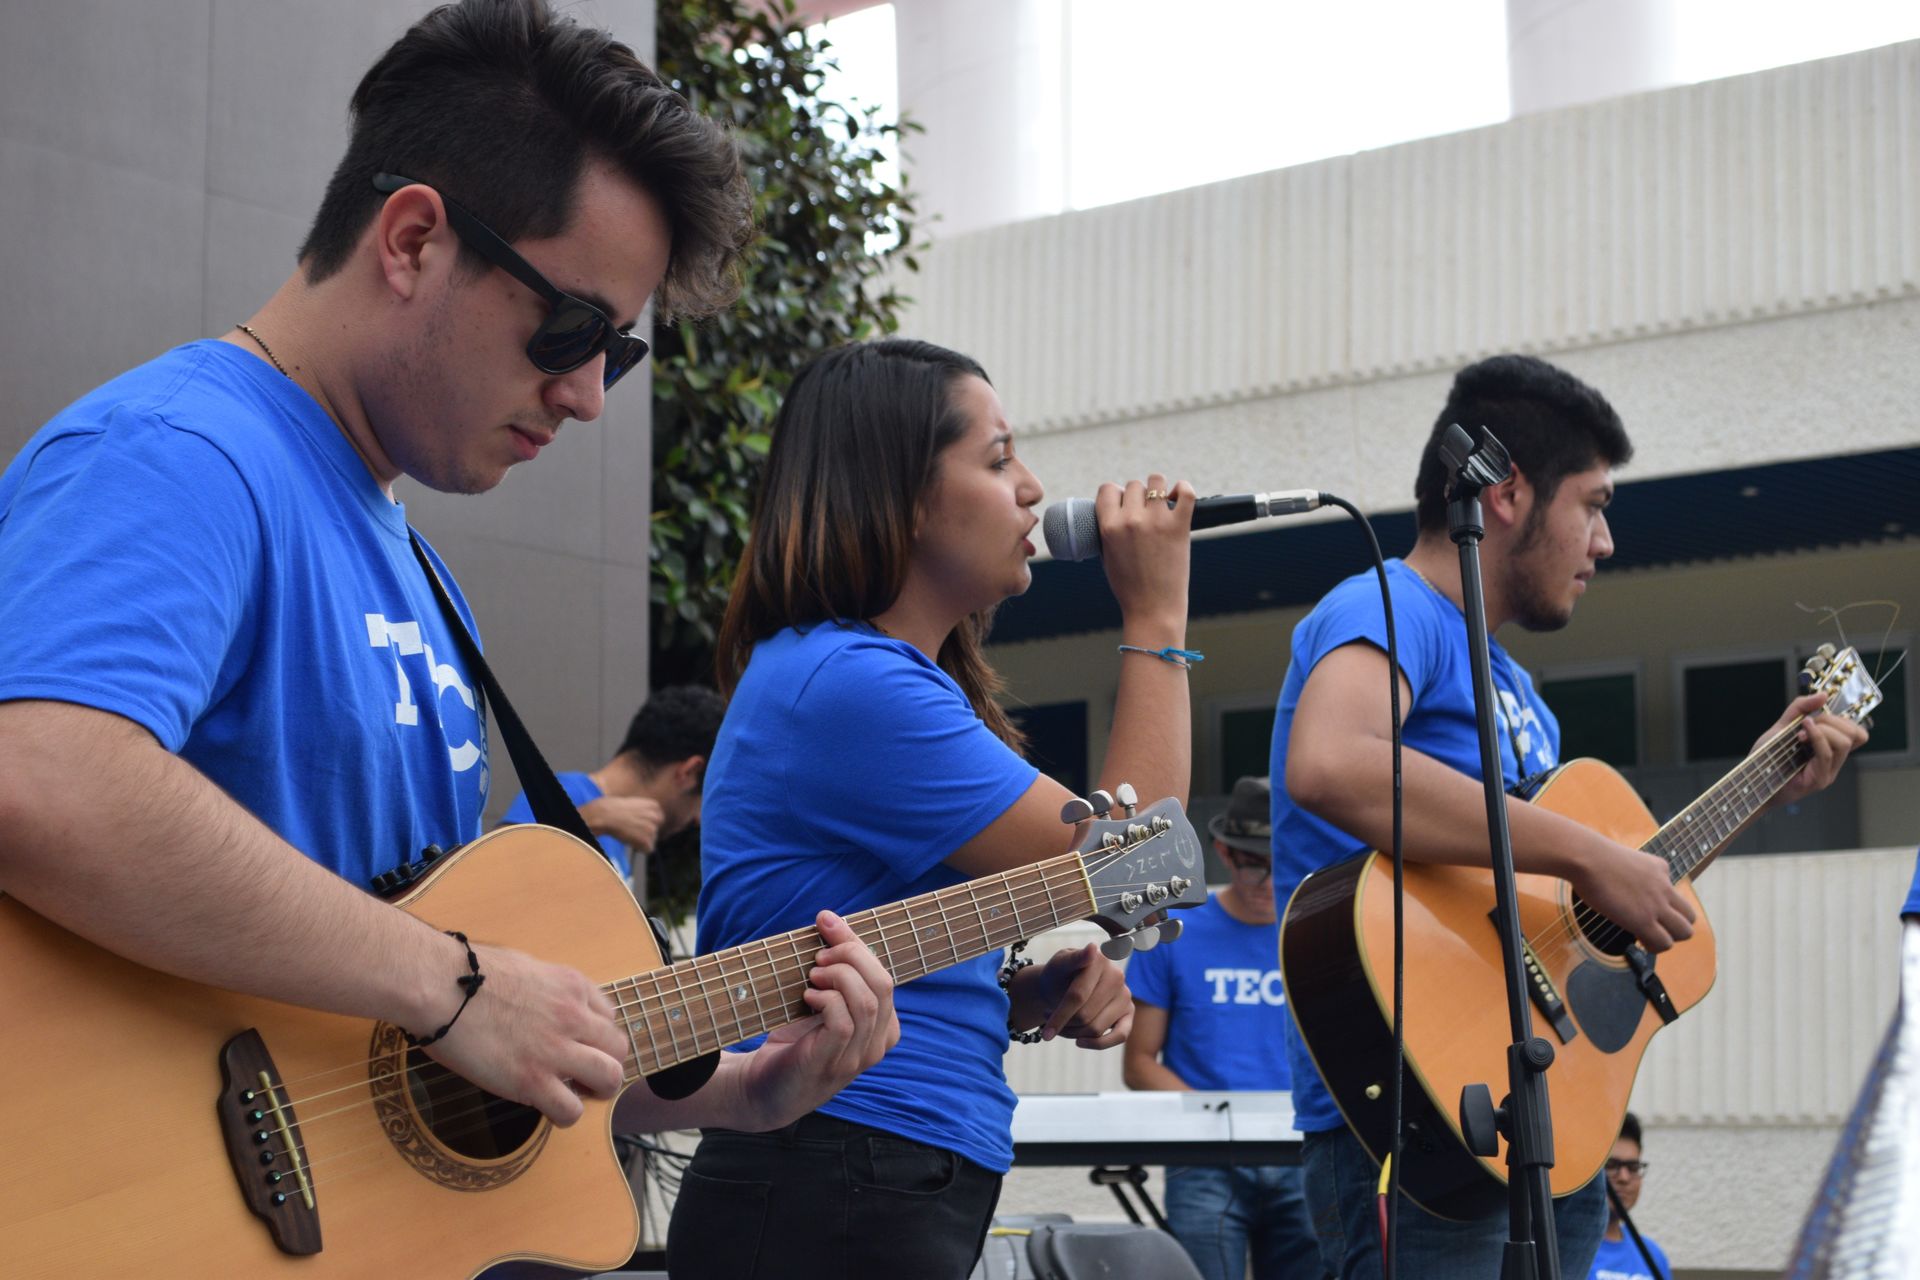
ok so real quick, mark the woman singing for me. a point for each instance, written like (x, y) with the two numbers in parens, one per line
(864, 760)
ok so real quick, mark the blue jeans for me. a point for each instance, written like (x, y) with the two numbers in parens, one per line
(1218, 1214)
(1341, 1179)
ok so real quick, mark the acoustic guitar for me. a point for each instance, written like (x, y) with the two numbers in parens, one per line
(159, 1128)
(1596, 995)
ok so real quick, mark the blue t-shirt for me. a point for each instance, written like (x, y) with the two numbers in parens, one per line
(848, 767)
(1226, 1008)
(1912, 904)
(1619, 1260)
(583, 791)
(1432, 635)
(197, 547)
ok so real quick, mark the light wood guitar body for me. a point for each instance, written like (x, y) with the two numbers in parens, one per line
(116, 1164)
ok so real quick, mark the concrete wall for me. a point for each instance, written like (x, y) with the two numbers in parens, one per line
(159, 163)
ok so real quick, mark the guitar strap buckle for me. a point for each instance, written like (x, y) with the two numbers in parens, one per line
(1649, 983)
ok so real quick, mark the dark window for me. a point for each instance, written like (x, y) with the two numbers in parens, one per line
(1056, 741)
(1728, 705)
(1246, 745)
(1599, 717)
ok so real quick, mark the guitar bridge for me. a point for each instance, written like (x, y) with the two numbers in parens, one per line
(1546, 996)
(263, 1142)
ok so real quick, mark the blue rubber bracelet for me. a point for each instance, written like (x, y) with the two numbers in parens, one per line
(1178, 657)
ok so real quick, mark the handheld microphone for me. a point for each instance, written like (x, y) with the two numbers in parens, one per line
(1073, 532)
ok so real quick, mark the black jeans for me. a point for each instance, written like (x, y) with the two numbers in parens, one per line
(827, 1199)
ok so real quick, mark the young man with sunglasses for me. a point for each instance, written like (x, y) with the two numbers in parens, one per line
(1211, 1013)
(228, 696)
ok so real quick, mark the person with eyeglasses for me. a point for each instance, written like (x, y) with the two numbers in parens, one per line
(1619, 1257)
(229, 697)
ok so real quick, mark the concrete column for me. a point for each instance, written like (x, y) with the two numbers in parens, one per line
(988, 80)
(1564, 52)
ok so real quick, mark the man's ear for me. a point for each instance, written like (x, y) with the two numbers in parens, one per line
(1506, 504)
(412, 241)
(690, 773)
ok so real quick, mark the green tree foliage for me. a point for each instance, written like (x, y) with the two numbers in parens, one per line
(831, 227)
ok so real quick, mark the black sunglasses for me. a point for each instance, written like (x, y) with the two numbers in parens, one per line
(574, 332)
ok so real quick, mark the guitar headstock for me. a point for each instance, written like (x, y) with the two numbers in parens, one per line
(1843, 677)
(1140, 864)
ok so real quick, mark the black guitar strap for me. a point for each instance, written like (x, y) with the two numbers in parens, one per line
(544, 794)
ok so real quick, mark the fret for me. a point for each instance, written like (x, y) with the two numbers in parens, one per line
(1013, 902)
(674, 1014)
(986, 934)
(800, 966)
(886, 952)
(706, 998)
(946, 926)
(735, 988)
(760, 1009)
(626, 1021)
(646, 1020)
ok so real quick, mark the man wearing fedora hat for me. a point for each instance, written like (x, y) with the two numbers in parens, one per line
(1211, 1014)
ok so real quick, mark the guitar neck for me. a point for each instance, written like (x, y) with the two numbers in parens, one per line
(686, 1010)
(1698, 832)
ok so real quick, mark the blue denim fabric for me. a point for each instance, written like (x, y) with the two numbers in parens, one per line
(1340, 1186)
(1220, 1214)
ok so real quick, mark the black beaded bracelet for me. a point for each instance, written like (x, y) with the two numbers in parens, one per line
(469, 983)
(1015, 963)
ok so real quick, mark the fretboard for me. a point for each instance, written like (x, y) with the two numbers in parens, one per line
(1698, 831)
(683, 1011)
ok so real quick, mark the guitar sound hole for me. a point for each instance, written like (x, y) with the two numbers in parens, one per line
(463, 1117)
(1602, 933)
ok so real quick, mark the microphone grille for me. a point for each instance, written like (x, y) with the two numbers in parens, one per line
(1072, 530)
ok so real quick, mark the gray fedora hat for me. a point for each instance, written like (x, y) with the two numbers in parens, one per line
(1247, 825)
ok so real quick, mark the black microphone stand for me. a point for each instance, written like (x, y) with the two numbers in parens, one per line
(1475, 462)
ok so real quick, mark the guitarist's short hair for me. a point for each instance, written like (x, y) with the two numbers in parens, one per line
(675, 724)
(1630, 1129)
(1552, 424)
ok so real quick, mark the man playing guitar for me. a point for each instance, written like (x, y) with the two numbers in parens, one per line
(1546, 532)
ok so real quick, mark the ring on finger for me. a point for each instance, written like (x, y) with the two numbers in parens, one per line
(1153, 494)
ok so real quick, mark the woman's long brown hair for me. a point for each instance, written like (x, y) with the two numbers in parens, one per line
(855, 448)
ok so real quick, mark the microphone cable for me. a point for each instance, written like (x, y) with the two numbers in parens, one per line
(1388, 1195)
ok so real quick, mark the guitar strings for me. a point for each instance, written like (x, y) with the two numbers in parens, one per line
(1028, 894)
(1775, 752)
(447, 1118)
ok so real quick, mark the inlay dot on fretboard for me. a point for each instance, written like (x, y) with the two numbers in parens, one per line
(674, 1015)
(740, 992)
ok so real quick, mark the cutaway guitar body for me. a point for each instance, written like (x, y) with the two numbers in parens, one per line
(1337, 957)
(117, 1166)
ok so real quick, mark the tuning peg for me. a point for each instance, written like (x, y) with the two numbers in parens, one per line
(1146, 939)
(1075, 811)
(1825, 652)
(1129, 799)
(1102, 802)
(1806, 680)
(1170, 930)
(1117, 948)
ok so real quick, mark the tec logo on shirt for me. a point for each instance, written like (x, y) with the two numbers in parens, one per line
(403, 640)
(1246, 986)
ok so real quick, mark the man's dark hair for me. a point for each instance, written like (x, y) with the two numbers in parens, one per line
(1630, 1129)
(674, 724)
(1552, 424)
(499, 105)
